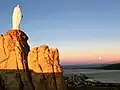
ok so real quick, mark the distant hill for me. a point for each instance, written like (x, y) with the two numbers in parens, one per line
(110, 66)
(115, 66)
(87, 66)
(114, 62)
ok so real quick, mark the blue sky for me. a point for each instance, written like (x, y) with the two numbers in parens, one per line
(72, 26)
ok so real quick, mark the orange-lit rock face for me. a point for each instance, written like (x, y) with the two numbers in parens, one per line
(13, 49)
(47, 73)
(45, 62)
(42, 59)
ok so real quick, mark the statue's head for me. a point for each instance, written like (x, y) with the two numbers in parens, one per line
(18, 5)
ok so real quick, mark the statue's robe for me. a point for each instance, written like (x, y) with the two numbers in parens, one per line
(16, 18)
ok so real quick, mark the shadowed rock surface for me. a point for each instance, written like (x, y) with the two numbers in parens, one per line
(45, 73)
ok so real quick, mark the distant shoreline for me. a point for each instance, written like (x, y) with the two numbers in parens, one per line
(81, 82)
(115, 66)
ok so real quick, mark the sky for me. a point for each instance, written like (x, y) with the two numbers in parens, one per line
(82, 30)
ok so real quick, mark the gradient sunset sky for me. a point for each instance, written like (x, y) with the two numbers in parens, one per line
(82, 30)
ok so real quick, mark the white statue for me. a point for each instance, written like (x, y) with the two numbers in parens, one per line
(16, 18)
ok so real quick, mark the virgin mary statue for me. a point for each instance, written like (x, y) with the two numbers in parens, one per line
(16, 18)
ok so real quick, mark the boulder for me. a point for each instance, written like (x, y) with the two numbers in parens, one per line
(44, 63)
(42, 59)
(76, 80)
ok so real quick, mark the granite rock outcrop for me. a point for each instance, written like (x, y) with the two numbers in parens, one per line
(25, 69)
(13, 50)
(42, 59)
(45, 61)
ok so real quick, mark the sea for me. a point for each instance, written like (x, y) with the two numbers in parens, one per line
(107, 76)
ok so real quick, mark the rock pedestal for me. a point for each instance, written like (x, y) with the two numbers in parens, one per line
(14, 69)
(22, 69)
(13, 50)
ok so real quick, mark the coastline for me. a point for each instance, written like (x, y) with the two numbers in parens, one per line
(99, 72)
(81, 82)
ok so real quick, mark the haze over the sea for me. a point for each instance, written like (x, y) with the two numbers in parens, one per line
(82, 30)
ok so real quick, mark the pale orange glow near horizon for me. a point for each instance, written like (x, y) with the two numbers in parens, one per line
(87, 51)
(90, 56)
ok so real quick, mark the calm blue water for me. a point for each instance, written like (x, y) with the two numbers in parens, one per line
(101, 75)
